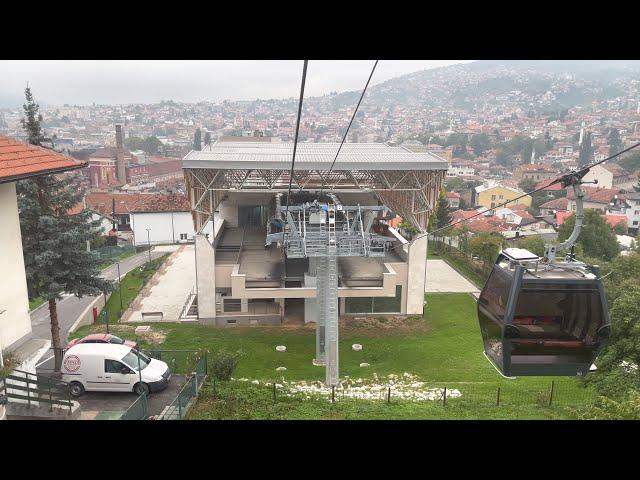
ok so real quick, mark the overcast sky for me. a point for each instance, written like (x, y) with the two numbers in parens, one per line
(149, 81)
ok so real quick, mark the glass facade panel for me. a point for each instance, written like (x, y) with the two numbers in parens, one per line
(375, 304)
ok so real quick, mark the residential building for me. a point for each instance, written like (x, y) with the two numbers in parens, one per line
(610, 176)
(155, 218)
(491, 194)
(454, 200)
(633, 211)
(18, 161)
(534, 171)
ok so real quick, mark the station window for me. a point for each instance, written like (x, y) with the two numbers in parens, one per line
(232, 305)
(356, 305)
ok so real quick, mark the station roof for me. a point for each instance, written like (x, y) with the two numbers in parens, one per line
(310, 156)
(20, 160)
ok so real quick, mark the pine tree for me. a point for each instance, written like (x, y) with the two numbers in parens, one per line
(54, 242)
(207, 138)
(197, 140)
(586, 151)
(443, 211)
(615, 142)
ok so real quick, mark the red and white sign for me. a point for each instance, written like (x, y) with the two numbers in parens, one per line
(72, 363)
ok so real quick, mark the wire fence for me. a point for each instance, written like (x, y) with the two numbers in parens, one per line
(469, 395)
(456, 251)
(138, 410)
(180, 361)
(113, 252)
(188, 395)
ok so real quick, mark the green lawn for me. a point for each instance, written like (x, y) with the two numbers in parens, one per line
(36, 302)
(444, 349)
(131, 285)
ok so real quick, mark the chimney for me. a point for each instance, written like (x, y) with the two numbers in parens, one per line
(120, 166)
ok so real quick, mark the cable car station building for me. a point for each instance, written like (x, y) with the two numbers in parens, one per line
(240, 186)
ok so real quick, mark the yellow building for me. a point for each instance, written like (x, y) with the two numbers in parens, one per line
(490, 195)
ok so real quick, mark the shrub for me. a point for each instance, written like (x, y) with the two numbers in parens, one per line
(224, 364)
(11, 361)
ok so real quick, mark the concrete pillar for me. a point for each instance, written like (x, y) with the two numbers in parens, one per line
(417, 264)
(244, 305)
(205, 279)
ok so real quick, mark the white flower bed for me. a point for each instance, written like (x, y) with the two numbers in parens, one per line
(406, 387)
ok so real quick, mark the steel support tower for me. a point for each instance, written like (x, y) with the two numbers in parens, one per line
(323, 232)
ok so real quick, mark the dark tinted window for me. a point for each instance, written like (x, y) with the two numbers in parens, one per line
(117, 340)
(555, 313)
(114, 366)
(495, 294)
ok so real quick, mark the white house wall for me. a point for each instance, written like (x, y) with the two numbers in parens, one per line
(166, 227)
(15, 322)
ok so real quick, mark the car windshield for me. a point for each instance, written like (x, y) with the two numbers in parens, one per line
(115, 339)
(131, 359)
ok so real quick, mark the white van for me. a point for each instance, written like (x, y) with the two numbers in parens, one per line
(105, 367)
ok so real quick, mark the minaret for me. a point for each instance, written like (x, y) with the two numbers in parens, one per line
(581, 134)
(533, 155)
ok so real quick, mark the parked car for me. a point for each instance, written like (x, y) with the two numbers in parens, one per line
(102, 338)
(105, 367)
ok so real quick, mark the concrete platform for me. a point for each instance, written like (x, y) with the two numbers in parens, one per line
(441, 278)
(168, 290)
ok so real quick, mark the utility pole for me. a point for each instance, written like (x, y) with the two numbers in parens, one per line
(149, 241)
(119, 287)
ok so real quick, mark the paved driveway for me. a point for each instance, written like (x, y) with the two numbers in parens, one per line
(442, 278)
(110, 405)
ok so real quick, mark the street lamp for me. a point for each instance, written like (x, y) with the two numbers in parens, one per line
(119, 287)
(149, 241)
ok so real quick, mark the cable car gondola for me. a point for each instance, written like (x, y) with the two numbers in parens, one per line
(539, 316)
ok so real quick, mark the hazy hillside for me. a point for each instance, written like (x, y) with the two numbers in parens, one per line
(566, 83)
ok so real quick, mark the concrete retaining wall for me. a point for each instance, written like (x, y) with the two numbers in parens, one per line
(86, 317)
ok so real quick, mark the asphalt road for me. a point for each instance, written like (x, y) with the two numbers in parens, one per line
(70, 307)
(117, 402)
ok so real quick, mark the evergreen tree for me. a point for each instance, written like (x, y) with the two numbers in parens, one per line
(586, 151)
(207, 138)
(443, 211)
(31, 123)
(615, 142)
(54, 243)
(197, 140)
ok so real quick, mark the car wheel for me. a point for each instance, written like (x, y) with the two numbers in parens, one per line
(76, 389)
(141, 388)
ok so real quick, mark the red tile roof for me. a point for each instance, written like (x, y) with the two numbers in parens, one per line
(137, 202)
(556, 204)
(562, 216)
(21, 160)
(596, 195)
(614, 218)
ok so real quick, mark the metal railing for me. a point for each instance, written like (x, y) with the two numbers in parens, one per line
(138, 410)
(187, 396)
(108, 253)
(34, 389)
